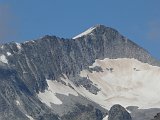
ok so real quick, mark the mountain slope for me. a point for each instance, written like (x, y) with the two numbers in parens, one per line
(54, 78)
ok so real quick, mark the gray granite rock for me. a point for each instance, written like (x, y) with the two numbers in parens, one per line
(117, 112)
(156, 117)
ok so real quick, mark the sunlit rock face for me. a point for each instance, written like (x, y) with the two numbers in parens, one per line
(53, 78)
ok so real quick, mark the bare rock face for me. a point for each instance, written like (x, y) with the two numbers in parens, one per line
(117, 112)
(157, 117)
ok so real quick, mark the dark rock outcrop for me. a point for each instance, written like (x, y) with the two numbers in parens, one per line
(117, 112)
(84, 113)
(157, 117)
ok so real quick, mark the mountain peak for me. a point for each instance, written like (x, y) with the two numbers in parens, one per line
(100, 26)
(89, 31)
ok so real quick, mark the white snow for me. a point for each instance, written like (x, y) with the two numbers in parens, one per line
(17, 102)
(85, 32)
(26, 41)
(18, 45)
(128, 111)
(2, 46)
(3, 59)
(29, 117)
(125, 85)
(8, 53)
(29, 41)
(49, 97)
(131, 83)
(54, 87)
(105, 118)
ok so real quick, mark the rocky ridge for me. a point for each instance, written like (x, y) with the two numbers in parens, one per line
(26, 67)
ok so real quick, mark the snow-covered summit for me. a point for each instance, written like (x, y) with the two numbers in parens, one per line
(89, 31)
(85, 32)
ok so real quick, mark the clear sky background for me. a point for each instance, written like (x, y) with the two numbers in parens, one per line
(139, 20)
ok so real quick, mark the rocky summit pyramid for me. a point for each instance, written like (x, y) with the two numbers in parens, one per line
(52, 78)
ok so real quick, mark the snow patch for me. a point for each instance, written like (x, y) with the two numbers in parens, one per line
(2, 47)
(124, 85)
(59, 88)
(18, 45)
(49, 97)
(26, 42)
(128, 111)
(105, 118)
(17, 102)
(29, 117)
(8, 53)
(30, 41)
(3, 59)
(54, 87)
(85, 33)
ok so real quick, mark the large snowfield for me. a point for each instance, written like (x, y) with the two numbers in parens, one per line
(130, 83)
(124, 81)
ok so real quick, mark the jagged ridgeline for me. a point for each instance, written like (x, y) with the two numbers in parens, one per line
(52, 78)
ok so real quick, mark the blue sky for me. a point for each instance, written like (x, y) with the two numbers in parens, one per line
(139, 20)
